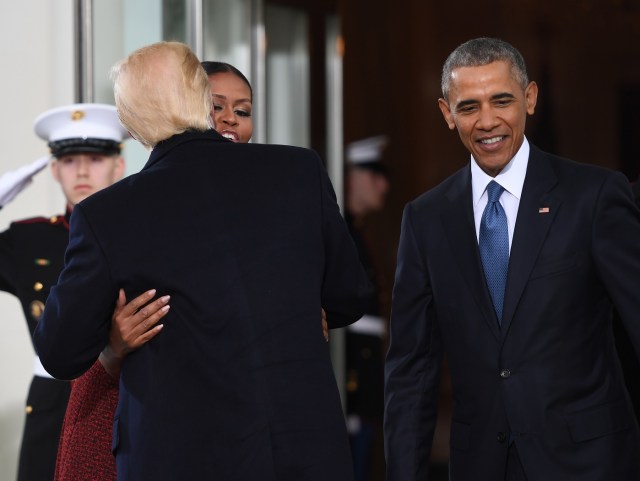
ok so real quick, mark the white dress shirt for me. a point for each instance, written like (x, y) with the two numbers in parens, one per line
(511, 178)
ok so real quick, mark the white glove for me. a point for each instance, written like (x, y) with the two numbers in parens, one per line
(13, 182)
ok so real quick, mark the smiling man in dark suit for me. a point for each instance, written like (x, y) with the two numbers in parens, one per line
(510, 268)
(249, 243)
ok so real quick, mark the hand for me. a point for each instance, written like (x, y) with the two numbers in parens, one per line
(133, 325)
(325, 327)
(12, 183)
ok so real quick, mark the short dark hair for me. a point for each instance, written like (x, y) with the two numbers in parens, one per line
(483, 51)
(212, 68)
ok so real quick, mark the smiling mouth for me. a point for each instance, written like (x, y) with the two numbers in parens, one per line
(229, 135)
(492, 140)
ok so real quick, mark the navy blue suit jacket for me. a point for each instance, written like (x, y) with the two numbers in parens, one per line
(249, 242)
(549, 378)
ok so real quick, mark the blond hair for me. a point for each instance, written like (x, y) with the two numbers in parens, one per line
(161, 90)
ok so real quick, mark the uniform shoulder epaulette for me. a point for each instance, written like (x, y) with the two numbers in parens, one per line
(56, 219)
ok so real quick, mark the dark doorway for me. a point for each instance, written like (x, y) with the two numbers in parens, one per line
(630, 132)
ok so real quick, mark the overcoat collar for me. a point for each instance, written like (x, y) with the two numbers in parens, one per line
(164, 147)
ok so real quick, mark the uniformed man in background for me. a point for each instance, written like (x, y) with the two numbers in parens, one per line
(85, 141)
(366, 187)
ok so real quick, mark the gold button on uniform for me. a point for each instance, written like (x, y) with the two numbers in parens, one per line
(53, 219)
(37, 309)
(352, 381)
(28, 409)
(38, 286)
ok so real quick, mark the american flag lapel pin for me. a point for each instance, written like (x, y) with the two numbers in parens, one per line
(543, 210)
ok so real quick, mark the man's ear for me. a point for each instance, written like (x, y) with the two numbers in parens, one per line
(54, 169)
(531, 97)
(120, 167)
(446, 113)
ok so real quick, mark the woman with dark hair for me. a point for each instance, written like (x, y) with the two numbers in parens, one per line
(232, 101)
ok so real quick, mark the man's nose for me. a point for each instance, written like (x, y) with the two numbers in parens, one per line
(487, 119)
(83, 167)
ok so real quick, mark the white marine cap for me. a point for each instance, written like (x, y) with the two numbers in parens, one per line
(367, 153)
(81, 128)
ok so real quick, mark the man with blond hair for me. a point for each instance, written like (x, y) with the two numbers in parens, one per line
(249, 243)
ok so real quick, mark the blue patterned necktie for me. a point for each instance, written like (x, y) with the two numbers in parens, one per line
(494, 246)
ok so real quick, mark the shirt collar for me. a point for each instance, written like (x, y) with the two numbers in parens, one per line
(511, 177)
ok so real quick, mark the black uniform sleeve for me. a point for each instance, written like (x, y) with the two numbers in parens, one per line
(7, 263)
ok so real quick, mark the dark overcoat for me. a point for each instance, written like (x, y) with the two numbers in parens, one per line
(249, 243)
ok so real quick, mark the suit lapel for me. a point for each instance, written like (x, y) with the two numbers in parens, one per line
(537, 210)
(459, 226)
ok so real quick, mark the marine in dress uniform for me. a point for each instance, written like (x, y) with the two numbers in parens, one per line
(365, 338)
(32, 257)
